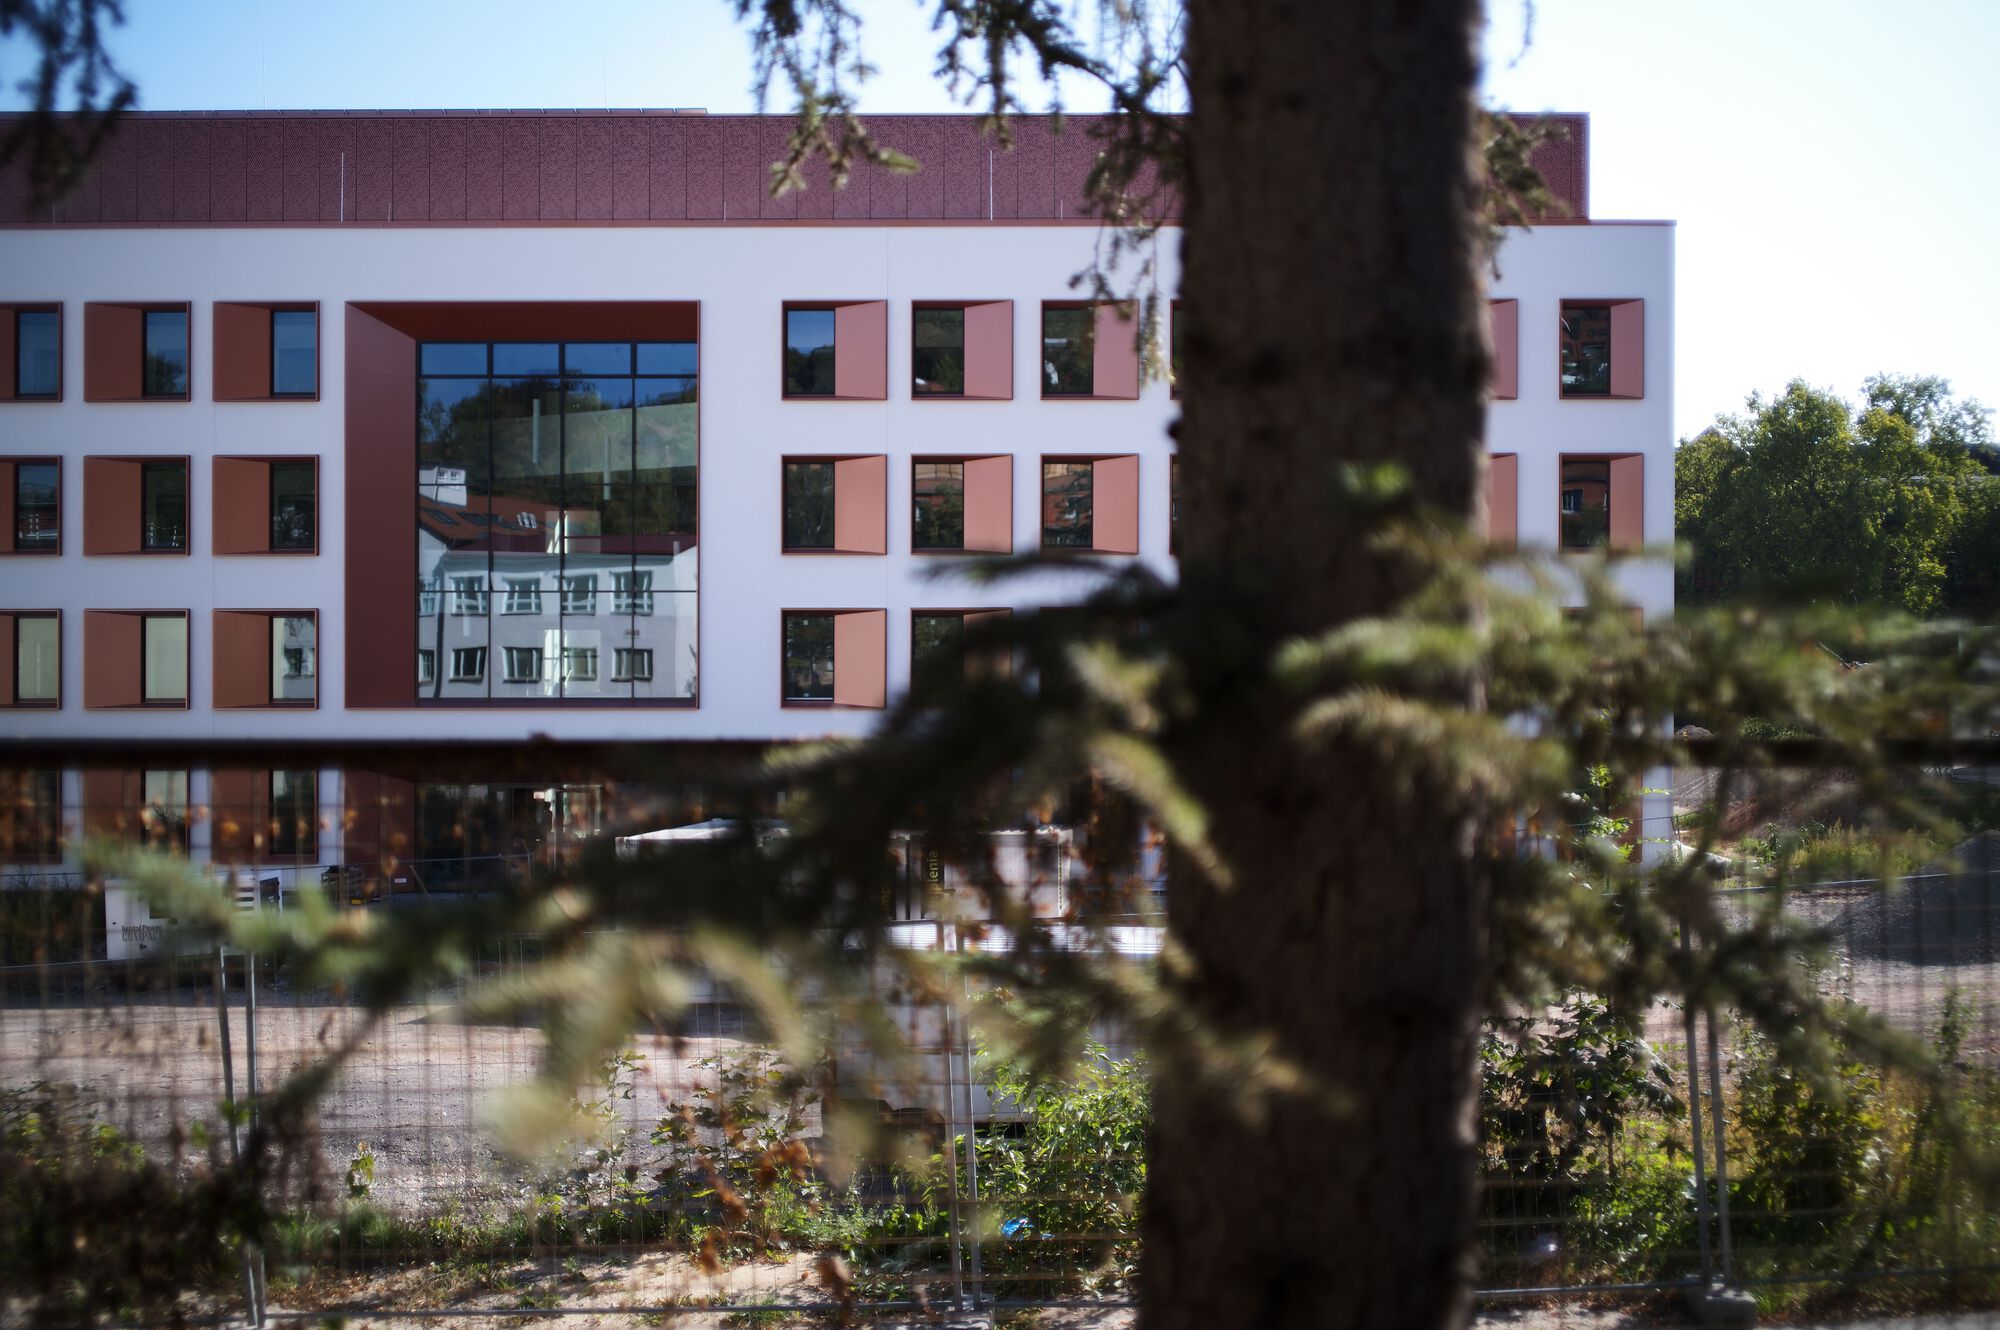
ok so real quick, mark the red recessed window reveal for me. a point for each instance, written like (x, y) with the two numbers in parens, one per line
(1504, 317)
(31, 505)
(266, 505)
(31, 658)
(1602, 502)
(266, 658)
(962, 505)
(136, 505)
(1090, 350)
(135, 658)
(1091, 503)
(1503, 499)
(1603, 349)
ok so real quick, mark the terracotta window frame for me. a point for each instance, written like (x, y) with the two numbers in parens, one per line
(114, 804)
(1114, 525)
(10, 350)
(975, 665)
(243, 504)
(1625, 348)
(1625, 501)
(114, 349)
(986, 351)
(114, 511)
(860, 502)
(244, 364)
(114, 660)
(10, 506)
(860, 349)
(861, 639)
(244, 676)
(1114, 350)
(987, 525)
(10, 672)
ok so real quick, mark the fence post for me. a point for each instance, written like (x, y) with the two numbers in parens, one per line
(250, 1298)
(1694, 1127)
(951, 1156)
(1716, 1125)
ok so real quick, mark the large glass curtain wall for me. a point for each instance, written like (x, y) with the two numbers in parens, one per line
(556, 515)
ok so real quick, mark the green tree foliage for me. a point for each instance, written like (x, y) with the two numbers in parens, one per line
(1804, 498)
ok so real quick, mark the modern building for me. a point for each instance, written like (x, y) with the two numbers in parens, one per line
(498, 424)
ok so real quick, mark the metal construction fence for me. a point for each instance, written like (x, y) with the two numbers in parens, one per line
(1670, 1151)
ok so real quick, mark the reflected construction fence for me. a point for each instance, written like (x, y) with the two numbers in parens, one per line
(141, 1070)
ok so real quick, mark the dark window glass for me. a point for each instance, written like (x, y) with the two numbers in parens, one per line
(597, 358)
(526, 358)
(164, 506)
(808, 353)
(937, 352)
(37, 506)
(37, 353)
(452, 358)
(30, 816)
(166, 371)
(1066, 495)
(809, 657)
(1068, 351)
(936, 641)
(294, 813)
(808, 505)
(1586, 503)
(294, 510)
(1586, 350)
(667, 358)
(452, 440)
(294, 353)
(937, 492)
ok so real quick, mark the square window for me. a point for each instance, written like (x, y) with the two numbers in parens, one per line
(166, 349)
(579, 593)
(1067, 492)
(808, 657)
(1069, 344)
(580, 664)
(468, 596)
(165, 662)
(37, 354)
(37, 505)
(809, 505)
(937, 496)
(631, 665)
(468, 664)
(524, 595)
(937, 352)
(809, 352)
(164, 506)
(632, 593)
(294, 506)
(294, 352)
(524, 664)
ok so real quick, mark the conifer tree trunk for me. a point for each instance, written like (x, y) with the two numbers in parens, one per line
(1331, 283)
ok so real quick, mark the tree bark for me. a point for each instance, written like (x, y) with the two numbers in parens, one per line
(1332, 286)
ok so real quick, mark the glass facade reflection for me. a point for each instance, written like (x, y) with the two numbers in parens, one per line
(556, 516)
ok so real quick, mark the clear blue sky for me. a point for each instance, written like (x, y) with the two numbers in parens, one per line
(1831, 163)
